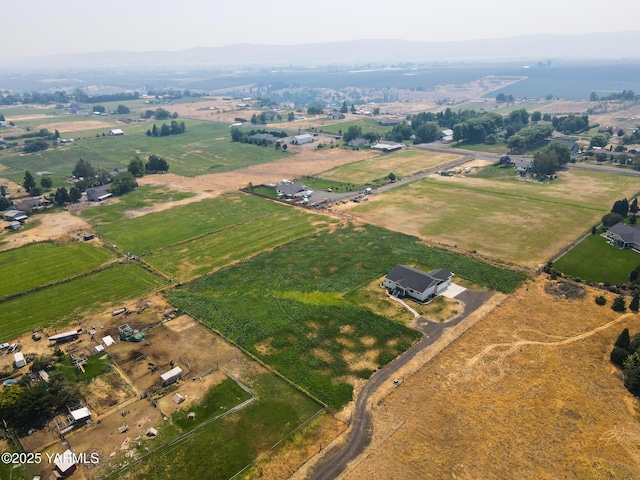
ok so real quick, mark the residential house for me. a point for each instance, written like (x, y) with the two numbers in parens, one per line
(15, 216)
(624, 236)
(573, 147)
(387, 147)
(522, 165)
(357, 142)
(335, 116)
(403, 280)
(292, 190)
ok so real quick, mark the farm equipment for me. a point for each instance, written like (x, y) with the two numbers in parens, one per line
(128, 334)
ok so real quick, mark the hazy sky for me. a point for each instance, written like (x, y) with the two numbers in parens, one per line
(40, 27)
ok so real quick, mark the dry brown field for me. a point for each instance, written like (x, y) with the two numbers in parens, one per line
(528, 392)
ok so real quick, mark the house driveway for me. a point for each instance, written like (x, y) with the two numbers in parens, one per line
(452, 291)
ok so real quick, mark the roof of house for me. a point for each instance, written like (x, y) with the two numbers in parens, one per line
(627, 233)
(291, 188)
(356, 142)
(417, 280)
(523, 163)
(80, 413)
(117, 131)
(100, 189)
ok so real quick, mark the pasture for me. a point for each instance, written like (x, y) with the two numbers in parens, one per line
(514, 221)
(593, 259)
(368, 125)
(142, 197)
(66, 301)
(402, 164)
(208, 253)
(204, 148)
(287, 306)
(145, 234)
(228, 445)
(43, 263)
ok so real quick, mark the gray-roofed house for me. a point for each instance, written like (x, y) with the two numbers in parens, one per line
(573, 147)
(335, 116)
(259, 137)
(403, 280)
(357, 142)
(15, 216)
(97, 194)
(522, 164)
(624, 236)
(291, 190)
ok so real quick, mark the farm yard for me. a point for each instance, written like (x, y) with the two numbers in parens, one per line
(516, 222)
(287, 307)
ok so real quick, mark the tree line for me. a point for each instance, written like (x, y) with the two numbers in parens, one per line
(165, 130)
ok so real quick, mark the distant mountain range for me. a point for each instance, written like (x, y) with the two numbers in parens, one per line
(621, 45)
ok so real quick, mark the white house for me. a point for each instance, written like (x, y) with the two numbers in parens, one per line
(403, 280)
(302, 139)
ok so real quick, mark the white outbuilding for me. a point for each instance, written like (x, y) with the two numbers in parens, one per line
(18, 360)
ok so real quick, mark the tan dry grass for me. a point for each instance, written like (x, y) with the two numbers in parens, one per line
(528, 392)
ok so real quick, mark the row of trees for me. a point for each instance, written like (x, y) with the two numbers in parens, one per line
(154, 164)
(571, 123)
(548, 160)
(529, 136)
(159, 114)
(354, 131)
(626, 355)
(165, 130)
(627, 95)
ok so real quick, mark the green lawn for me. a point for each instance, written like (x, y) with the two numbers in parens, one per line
(500, 147)
(595, 260)
(287, 307)
(68, 300)
(142, 235)
(368, 125)
(43, 263)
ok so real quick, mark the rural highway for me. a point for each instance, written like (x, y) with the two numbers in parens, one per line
(361, 428)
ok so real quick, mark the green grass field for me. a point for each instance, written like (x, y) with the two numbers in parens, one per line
(595, 260)
(208, 253)
(368, 125)
(66, 301)
(150, 232)
(228, 445)
(44, 263)
(287, 307)
(141, 197)
(514, 221)
(500, 147)
(402, 164)
(204, 148)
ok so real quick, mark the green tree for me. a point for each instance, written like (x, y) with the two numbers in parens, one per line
(136, 167)
(621, 207)
(291, 117)
(536, 116)
(156, 164)
(599, 140)
(123, 183)
(354, 131)
(123, 109)
(619, 304)
(61, 196)
(161, 114)
(165, 130)
(154, 130)
(46, 182)
(36, 145)
(633, 206)
(635, 301)
(624, 339)
(29, 182)
(75, 194)
(634, 276)
(99, 109)
(5, 203)
(426, 133)
(593, 97)
(56, 135)
(610, 219)
(84, 169)
(491, 139)
(391, 177)
(618, 356)
(344, 108)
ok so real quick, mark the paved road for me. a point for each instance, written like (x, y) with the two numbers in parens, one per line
(334, 462)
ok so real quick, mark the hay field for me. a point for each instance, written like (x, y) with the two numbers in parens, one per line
(513, 221)
(402, 164)
(518, 396)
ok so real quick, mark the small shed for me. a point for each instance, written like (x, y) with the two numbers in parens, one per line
(64, 464)
(116, 132)
(44, 376)
(171, 376)
(98, 349)
(18, 360)
(108, 341)
(81, 414)
(14, 226)
(152, 432)
(178, 399)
